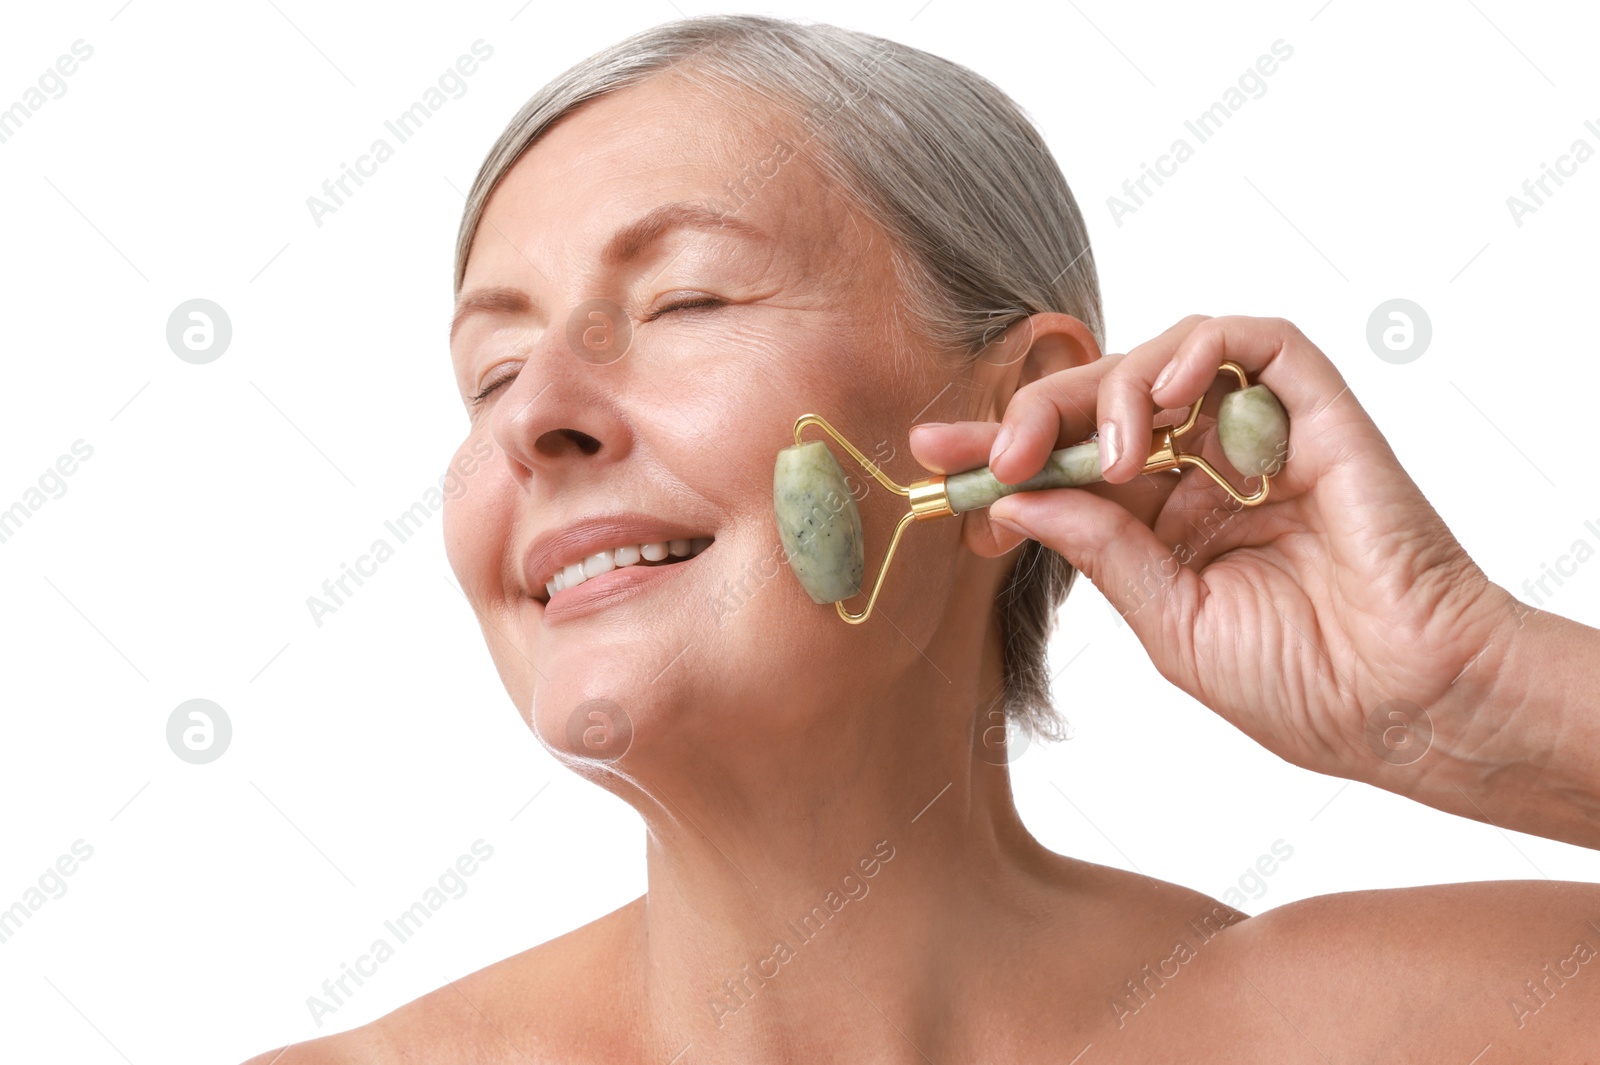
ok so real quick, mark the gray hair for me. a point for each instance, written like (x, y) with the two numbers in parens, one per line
(984, 230)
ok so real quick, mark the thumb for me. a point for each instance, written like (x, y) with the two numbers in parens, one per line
(1139, 575)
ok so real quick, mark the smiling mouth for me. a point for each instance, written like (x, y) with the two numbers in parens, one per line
(657, 553)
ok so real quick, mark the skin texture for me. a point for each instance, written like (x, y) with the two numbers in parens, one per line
(777, 754)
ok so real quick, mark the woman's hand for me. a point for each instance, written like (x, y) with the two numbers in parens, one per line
(1339, 624)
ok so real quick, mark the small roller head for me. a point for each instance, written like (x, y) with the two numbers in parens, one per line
(1254, 429)
(818, 522)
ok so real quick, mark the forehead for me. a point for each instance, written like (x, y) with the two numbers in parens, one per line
(617, 157)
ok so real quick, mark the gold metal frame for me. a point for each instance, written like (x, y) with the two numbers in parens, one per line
(1164, 453)
(871, 467)
(930, 499)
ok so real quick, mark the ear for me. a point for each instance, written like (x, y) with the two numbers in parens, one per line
(1038, 346)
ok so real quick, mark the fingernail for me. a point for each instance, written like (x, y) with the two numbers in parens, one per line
(1164, 376)
(1001, 442)
(929, 425)
(1110, 449)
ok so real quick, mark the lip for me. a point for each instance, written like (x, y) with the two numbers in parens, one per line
(611, 588)
(555, 549)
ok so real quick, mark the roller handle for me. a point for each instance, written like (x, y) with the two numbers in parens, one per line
(1251, 424)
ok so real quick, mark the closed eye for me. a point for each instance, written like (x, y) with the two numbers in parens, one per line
(683, 305)
(503, 379)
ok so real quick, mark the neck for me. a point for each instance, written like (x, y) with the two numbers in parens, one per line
(861, 874)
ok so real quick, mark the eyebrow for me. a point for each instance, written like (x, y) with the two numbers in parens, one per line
(489, 301)
(636, 236)
(624, 245)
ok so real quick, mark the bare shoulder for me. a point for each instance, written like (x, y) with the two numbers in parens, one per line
(1407, 972)
(1144, 911)
(509, 1011)
(1402, 975)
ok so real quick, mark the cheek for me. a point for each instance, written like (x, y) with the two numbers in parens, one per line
(479, 533)
(478, 520)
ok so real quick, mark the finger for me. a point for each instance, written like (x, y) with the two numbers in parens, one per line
(1043, 415)
(1327, 426)
(1124, 406)
(1131, 567)
(1146, 498)
(1299, 374)
(954, 446)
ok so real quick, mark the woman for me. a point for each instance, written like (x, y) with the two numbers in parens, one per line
(691, 238)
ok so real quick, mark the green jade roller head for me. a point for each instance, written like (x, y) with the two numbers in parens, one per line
(820, 525)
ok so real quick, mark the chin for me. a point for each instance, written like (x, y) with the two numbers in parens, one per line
(594, 729)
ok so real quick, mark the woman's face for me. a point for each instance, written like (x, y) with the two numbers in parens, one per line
(647, 377)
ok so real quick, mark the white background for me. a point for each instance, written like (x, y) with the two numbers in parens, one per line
(370, 752)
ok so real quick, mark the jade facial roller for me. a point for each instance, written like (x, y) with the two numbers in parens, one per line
(820, 525)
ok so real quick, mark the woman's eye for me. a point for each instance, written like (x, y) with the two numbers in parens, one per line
(503, 379)
(682, 305)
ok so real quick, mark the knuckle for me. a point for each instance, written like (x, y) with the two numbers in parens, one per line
(1209, 331)
(1113, 386)
(1113, 378)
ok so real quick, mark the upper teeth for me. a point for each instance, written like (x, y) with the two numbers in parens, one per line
(618, 557)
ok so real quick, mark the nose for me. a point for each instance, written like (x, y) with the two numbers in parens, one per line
(560, 410)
